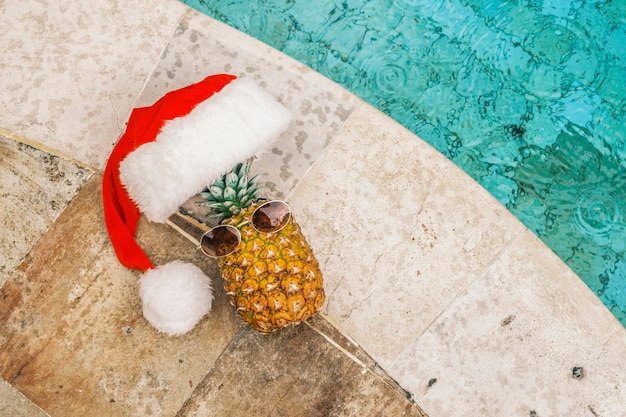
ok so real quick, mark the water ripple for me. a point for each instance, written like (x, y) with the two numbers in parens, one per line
(597, 214)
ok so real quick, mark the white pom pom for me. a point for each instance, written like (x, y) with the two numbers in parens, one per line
(175, 296)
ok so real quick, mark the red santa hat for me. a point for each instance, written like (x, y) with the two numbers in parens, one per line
(169, 152)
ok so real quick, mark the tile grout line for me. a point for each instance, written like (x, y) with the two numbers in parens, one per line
(324, 150)
(41, 147)
(194, 392)
(385, 378)
(159, 58)
(466, 288)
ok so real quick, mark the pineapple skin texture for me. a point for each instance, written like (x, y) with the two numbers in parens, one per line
(274, 279)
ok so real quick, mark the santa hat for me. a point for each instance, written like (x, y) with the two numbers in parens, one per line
(170, 152)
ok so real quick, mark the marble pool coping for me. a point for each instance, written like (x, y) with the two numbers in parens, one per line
(449, 293)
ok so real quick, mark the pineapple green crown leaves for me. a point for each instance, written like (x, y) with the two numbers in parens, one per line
(232, 192)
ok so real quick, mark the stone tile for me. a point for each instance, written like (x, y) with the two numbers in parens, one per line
(509, 345)
(72, 335)
(71, 70)
(294, 372)
(202, 46)
(35, 187)
(14, 404)
(398, 229)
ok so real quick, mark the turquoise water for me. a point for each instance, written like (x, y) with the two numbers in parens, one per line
(528, 97)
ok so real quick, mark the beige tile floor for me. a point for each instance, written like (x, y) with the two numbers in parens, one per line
(430, 282)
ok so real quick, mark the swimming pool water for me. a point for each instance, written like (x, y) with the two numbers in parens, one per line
(528, 97)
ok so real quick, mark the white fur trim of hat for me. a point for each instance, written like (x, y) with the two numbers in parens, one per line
(191, 152)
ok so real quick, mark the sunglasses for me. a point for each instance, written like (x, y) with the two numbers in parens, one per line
(269, 217)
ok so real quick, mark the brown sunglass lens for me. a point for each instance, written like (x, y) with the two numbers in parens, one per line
(220, 241)
(271, 216)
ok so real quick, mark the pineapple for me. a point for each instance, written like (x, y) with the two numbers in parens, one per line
(273, 280)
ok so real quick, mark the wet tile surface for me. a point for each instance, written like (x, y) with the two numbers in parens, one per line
(510, 344)
(35, 187)
(71, 71)
(72, 335)
(294, 372)
(394, 253)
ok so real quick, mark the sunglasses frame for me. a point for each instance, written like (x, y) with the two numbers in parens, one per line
(238, 233)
